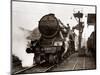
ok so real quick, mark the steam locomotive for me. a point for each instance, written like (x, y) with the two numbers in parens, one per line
(51, 46)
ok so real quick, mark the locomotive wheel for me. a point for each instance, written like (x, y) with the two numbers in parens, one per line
(37, 59)
(68, 54)
(51, 59)
(57, 60)
(73, 51)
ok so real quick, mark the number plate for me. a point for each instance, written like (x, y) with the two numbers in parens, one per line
(49, 49)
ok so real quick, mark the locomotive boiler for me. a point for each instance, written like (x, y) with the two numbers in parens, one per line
(51, 45)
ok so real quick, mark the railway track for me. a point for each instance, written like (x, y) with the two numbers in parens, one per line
(22, 70)
(43, 67)
(74, 62)
(36, 68)
(79, 64)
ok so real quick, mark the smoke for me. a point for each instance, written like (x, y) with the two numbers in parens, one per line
(19, 45)
(66, 45)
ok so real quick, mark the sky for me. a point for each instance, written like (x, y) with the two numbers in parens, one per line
(27, 14)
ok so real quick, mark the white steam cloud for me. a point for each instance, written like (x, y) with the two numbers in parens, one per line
(19, 46)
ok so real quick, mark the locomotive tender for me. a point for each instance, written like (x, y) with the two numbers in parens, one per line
(51, 45)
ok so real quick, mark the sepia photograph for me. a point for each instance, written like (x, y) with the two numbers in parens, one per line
(52, 37)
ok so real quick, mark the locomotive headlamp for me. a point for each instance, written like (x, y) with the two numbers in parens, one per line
(58, 43)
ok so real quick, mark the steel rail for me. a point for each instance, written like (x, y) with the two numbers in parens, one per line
(24, 69)
(75, 64)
